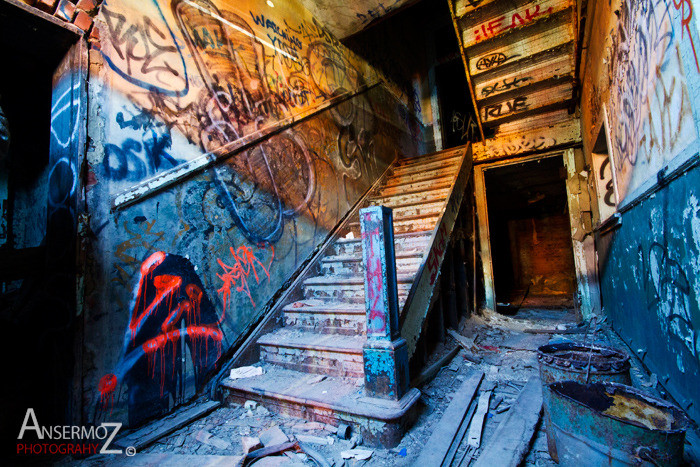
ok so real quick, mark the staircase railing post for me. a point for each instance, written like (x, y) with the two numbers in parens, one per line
(385, 353)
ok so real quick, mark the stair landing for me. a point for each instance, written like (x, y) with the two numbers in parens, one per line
(333, 400)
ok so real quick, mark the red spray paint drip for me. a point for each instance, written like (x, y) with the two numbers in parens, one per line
(106, 386)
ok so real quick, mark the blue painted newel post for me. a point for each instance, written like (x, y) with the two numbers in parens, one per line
(385, 354)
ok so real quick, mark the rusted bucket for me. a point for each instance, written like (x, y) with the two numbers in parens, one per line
(583, 363)
(614, 425)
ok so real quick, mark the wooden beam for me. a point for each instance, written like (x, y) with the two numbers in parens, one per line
(484, 238)
(152, 432)
(510, 443)
(528, 141)
(444, 433)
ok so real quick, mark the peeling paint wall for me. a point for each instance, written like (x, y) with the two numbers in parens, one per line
(641, 72)
(290, 129)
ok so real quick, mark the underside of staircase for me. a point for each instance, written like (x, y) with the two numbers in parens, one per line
(323, 331)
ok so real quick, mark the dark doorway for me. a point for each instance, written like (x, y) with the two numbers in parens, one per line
(530, 234)
(457, 116)
(34, 314)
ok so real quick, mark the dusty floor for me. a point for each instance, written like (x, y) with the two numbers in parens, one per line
(508, 362)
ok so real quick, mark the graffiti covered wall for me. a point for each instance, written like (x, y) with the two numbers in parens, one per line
(641, 72)
(176, 278)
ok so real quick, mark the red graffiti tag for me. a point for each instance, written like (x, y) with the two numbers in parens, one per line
(237, 275)
(377, 316)
(500, 25)
(436, 253)
(106, 386)
(686, 7)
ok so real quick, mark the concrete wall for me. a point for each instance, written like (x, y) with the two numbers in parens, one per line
(640, 67)
(231, 110)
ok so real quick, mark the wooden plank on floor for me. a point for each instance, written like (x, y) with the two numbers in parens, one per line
(477, 426)
(152, 432)
(509, 444)
(439, 443)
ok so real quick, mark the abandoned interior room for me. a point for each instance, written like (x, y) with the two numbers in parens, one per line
(375, 232)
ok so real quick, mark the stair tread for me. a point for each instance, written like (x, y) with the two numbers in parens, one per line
(402, 179)
(413, 253)
(350, 280)
(396, 237)
(287, 337)
(336, 393)
(321, 306)
(435, 156)
(442, 179)
(450, 161)
(408, 218)
(413, 191)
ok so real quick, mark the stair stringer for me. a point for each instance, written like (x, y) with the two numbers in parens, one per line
(415, 311)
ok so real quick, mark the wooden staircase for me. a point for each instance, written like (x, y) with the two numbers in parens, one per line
(323, 332)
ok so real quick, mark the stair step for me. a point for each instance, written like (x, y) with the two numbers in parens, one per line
(326, 318)
(434, 157)
(425, 175)
(349, 289)
(351, 265)
(310, 352)
(333, 400)
(409, 184)
(418, 209)
(405, 224)
(403, 169)
(426, 196)
(402, 243)
(421, 187)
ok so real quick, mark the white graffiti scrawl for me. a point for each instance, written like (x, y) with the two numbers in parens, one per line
(64, 116)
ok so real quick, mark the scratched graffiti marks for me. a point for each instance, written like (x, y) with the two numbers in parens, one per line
(493, 60)
(465, 126)
(145, 52)
(517, 145)
(512, 20)
(504, 85)
(650, 106)
(671, 295)
(171, 314)
(244, 263)
(142, 237)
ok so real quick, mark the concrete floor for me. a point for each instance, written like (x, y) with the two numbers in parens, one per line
(508, 362)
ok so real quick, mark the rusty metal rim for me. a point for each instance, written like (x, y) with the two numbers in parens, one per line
(618, 362)
(616, 388)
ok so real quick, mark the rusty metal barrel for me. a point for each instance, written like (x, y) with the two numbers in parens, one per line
(614, 425)
(584, 363)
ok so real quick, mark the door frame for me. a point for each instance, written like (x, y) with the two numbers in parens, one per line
(583, 301)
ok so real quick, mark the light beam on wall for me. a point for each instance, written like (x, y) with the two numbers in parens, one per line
(239, 29)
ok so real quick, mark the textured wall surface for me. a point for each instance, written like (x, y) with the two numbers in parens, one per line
(175, 279)
(642, 66)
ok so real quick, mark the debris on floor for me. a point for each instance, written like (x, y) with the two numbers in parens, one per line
(485, 413)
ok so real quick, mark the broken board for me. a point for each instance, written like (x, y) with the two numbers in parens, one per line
(152, 432)
(509, 444)
(440, 441)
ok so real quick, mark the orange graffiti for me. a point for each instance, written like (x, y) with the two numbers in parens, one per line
(237, 275)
